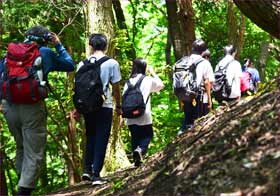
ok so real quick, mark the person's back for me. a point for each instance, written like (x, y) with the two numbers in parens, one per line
(233, 72)
(141, 127)
(27, 122)
(200, 105)
(98, 123)
(254, 74)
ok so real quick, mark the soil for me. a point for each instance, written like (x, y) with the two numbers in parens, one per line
(234, 150)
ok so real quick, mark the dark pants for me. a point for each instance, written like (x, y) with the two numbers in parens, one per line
(141, 135)
(98, 127)
(192, 112)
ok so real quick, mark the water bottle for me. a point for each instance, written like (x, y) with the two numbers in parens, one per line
(38, 65)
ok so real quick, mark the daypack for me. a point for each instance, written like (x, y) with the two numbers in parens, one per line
(246, 82)
(133, 104)
(22, 78)
(185, 86)
(221, 86)
(88, 88)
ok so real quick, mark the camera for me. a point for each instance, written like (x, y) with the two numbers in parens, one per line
(48, 37)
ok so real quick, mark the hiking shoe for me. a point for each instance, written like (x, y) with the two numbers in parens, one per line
(98, 181)
(181, 131)
(137, 156)
(86, 177)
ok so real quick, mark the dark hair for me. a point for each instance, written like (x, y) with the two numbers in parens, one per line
(248, 62)
(38, 33)
(229, 49)
(198, 46)
(206, 54)
(139, 66)
(98, 41)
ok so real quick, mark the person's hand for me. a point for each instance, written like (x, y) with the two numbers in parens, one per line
(151, 70)
(209, 104)
(55, 39)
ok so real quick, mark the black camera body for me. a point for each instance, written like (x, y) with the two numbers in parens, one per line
(48, 37)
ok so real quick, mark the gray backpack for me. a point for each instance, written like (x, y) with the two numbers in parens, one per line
(184, 79)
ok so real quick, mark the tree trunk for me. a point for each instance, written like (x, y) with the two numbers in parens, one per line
(261, 65)
(174, 29)
(3, 184)
(131, 53)
(186, 19)
(235, 29)
(100, 19)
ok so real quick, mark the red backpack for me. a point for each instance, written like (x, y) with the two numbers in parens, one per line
(21, 83)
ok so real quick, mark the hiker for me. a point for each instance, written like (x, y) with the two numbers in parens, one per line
(141, 126)
(97, 121)
(26, 114)
(250, 78)
(201, 104)
(229, 68)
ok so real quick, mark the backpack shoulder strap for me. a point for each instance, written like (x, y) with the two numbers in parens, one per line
(226, 66)
(198, 61)
(138, 83)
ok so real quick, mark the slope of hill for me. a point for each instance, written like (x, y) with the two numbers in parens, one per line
(235, 149)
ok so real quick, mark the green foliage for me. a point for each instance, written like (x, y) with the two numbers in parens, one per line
(147, 32)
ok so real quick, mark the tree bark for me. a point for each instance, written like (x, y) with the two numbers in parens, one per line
(236, 30)
(131, 53)
(186, 19)
(262, 61)
(3, 184)
(174, 29)
(100, 19)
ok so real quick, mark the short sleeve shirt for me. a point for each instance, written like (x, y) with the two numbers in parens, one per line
(233, 74)
(109, 73)
(148, 85)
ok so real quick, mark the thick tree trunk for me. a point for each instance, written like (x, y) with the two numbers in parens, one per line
(186, 18)
(100, 19)
(174, 30)
(264, 13)
(236, 30)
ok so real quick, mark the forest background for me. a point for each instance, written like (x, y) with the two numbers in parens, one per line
(157, 30)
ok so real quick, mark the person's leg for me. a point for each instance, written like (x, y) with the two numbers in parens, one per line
(103, 129)
(11, 114)
(144, 136)
(134, 139)
(34, 133)
(89, 151)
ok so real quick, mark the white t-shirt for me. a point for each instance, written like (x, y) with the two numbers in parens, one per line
(233, 73)
(109, 73)
(148, 85)
(204, 71)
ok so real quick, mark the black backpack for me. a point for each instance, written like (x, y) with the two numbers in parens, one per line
(133, 105)
(221, 87)
(184, 79)
(88, 88)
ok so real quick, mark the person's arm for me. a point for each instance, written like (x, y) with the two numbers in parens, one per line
(117, 96)
(59, 60)
(208, 86)
(158, 84)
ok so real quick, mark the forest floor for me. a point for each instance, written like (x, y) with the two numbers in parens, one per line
(234, 150)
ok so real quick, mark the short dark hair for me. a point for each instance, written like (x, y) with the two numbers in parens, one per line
(198, 46)
(206, 54)
(98, 41)
(229, 49)
(138, 67)
(38, 31)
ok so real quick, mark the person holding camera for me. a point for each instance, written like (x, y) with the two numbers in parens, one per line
(26, 114)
